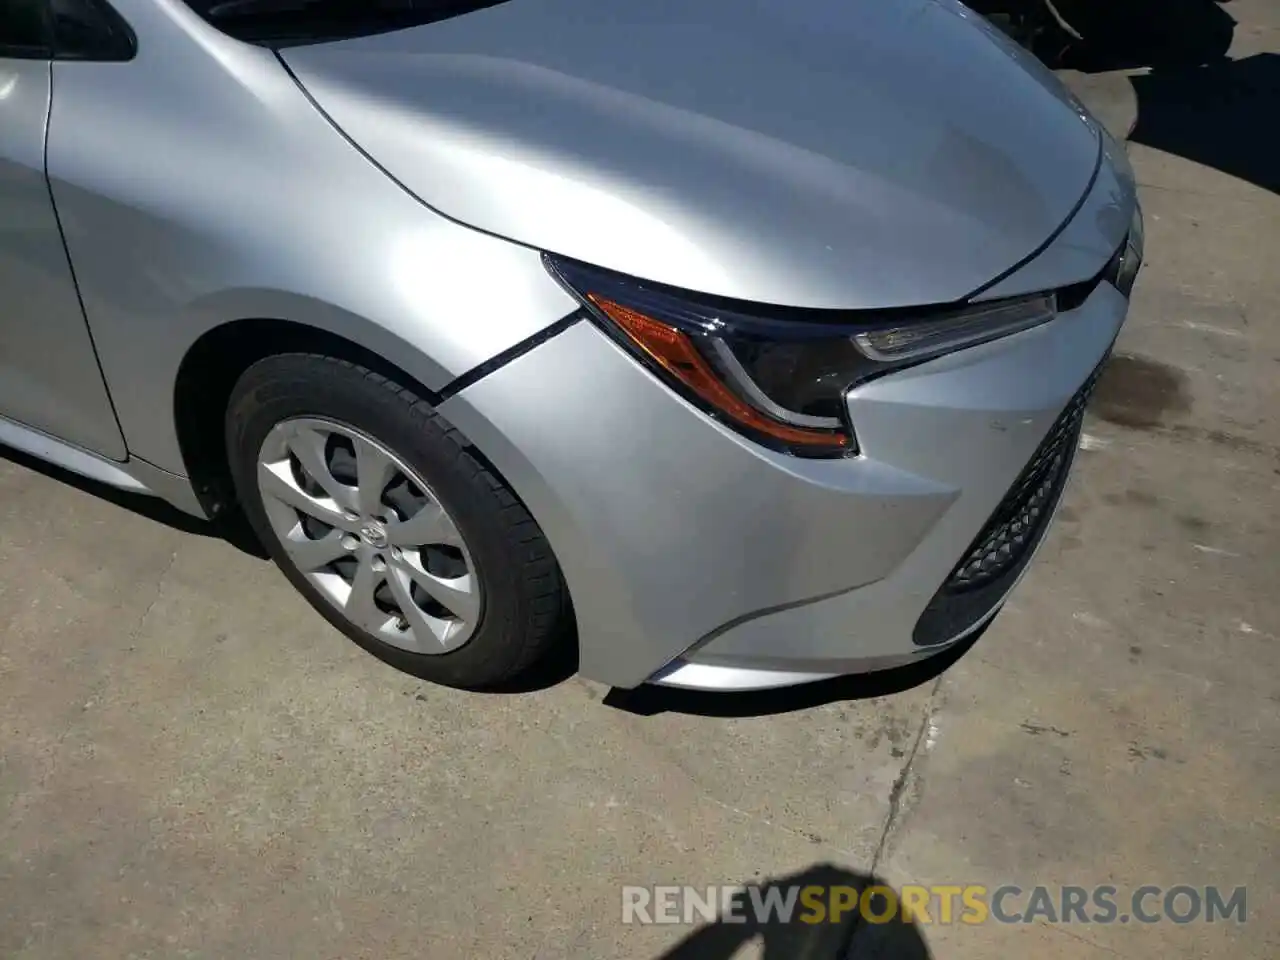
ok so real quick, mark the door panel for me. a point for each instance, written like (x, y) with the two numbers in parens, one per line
(49, 375)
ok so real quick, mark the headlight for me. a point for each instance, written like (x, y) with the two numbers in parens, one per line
(1122, 272)
(776, 374)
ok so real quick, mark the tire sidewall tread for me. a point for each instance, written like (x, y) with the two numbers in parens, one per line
(524, 593)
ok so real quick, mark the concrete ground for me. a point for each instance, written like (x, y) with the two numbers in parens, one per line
(193, 765)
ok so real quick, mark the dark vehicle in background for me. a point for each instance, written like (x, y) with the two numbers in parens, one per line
(1109, 34)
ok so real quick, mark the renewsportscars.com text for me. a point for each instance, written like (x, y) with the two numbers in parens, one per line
(937, 904)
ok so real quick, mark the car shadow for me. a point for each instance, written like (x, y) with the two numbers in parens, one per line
(803, 936)
(648, 701)
(230, 527)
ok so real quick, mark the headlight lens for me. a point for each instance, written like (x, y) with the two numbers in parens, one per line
(964, 328)
(1122, 273)
(779, 375)
(1138, 233)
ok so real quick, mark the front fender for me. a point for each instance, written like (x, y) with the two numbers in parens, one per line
(198, 186)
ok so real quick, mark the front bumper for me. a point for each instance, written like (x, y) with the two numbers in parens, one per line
(1001, 429)
(696, 558)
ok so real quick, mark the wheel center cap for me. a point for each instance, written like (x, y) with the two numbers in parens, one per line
(374, 534)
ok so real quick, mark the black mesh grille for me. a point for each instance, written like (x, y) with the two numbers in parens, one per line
(1014, 525)
(1005, 544)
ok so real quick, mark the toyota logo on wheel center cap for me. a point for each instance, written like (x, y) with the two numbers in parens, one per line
(374, 534)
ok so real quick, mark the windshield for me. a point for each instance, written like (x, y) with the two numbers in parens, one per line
(285, 22)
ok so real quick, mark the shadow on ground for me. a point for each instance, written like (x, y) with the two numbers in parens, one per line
(1221, 115)
(1193, 102)
(650, 701)
(807, 936)
(230, 527)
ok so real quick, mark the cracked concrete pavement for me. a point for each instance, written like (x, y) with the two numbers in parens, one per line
(193, 765)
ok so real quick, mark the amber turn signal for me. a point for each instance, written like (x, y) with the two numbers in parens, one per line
(675, 353)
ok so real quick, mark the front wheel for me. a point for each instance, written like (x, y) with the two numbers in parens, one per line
(379, 512)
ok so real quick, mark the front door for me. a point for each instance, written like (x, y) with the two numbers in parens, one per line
(49, 375)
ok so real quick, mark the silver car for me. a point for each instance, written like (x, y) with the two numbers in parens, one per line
(751, 339)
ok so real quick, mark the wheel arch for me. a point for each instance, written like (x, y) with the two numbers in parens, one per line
(212, 365)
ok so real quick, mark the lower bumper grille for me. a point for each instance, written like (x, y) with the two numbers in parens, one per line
(1006, 543)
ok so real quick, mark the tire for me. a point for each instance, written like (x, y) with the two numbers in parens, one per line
(522, 601)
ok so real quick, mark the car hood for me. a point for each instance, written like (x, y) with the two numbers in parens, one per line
(831, 154)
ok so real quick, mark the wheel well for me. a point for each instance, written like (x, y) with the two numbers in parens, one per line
(209, 372)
